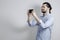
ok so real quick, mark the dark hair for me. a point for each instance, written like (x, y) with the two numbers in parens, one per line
(49, 6)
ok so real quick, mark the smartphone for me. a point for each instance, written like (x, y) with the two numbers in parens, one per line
(30, 10)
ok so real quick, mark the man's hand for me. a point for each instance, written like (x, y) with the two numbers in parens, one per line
(29, 16)
(33, 14)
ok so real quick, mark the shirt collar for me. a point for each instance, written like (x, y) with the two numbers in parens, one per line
(47, 14)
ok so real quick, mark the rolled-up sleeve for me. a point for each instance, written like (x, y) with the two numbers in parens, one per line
(47, 24)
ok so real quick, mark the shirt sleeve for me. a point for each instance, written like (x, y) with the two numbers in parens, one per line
(32, 23)
(47, 24)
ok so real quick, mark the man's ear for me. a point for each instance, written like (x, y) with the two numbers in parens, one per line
(48, 9)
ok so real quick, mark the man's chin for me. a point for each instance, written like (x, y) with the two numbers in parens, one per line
(43, 12)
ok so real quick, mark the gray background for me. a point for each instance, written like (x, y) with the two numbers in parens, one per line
(13, 25)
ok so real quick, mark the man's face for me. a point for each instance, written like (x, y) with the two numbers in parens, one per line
(44, 8)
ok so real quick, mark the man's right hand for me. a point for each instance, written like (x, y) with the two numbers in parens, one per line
(29, 16)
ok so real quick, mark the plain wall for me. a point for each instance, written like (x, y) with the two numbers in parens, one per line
(13, 19)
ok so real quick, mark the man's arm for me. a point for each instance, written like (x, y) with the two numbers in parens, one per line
(48, 23)
(36, 17)
(30, 20)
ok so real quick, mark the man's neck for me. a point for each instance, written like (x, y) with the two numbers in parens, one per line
(44, 14)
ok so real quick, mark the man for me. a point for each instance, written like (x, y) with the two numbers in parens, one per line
(44, 22)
